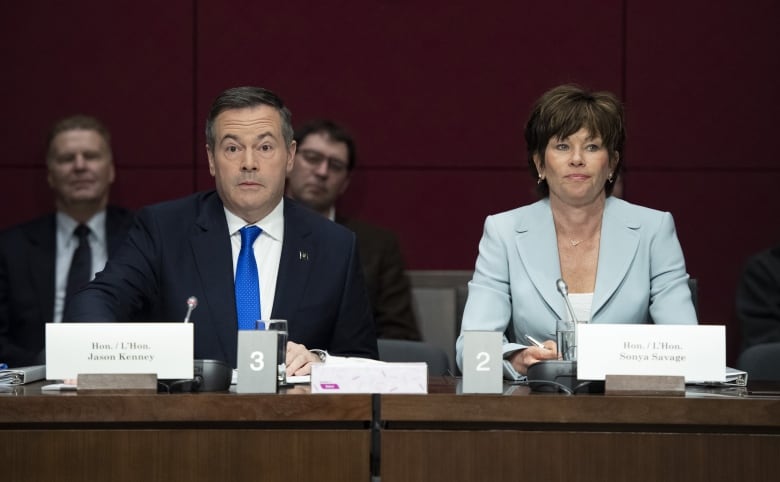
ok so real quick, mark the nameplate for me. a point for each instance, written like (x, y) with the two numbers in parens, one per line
(386, 378)
(483, 363)
(164, 349)
(695, 352)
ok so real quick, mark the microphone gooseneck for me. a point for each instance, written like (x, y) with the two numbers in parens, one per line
(192, 303)
(563, 289)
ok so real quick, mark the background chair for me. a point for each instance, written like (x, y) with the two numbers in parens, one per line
(761, 362)
(415, 351)
(439, 297)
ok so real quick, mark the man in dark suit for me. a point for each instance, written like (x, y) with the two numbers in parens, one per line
(323, 169)
(35, 257)
(307, 267)
(758, 298)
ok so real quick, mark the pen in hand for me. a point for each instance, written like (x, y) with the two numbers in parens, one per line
(535, 342)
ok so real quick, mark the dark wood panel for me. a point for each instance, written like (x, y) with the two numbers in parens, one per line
(435, 455)
(50, 409)
(130, 63)
(419, 83)
(701, 83)
(184, 455)
(591, 412)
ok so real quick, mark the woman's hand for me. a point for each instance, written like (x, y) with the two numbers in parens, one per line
(526, 357)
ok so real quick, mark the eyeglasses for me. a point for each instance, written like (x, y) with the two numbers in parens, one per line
(316, 158)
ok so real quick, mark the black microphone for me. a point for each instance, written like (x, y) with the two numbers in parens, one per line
(192, 303)
(563, 289)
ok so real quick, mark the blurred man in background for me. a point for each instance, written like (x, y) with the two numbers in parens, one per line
(45, 260)
(322, 172)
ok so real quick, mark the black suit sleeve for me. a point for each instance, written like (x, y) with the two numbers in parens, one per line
(758, 299)
(354, 333)
(393, 309)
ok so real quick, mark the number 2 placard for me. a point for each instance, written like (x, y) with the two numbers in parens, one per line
(482, 362)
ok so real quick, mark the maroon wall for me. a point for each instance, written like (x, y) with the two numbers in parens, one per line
(436, 93)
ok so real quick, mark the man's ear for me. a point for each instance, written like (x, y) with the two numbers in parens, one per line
(210, 155)
(291, 156)
(346, 183)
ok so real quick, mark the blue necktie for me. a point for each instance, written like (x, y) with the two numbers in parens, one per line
(247, 281)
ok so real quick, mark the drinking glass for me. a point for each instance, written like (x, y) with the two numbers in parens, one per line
(566, 338)
(280, 327)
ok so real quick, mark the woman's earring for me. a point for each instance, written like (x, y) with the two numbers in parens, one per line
(539, 181)
(610, 178)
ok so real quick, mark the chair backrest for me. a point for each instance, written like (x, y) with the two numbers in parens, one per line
(761, 362)
(439, 297)
(415, 351)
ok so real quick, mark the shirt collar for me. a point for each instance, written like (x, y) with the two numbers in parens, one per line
(97, 225)
(272, 225)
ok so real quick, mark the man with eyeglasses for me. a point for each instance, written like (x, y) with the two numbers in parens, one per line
(322, 172)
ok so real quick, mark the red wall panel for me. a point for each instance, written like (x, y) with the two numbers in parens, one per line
(436, 93)
(701, 83)
(129, 63)
(433, 84)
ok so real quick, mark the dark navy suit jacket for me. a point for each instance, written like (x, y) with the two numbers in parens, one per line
(27, 268)
(182, 248)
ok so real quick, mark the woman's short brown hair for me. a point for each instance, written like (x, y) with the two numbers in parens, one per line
(562, 111)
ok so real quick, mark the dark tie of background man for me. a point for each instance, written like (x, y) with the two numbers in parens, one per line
(81, 265)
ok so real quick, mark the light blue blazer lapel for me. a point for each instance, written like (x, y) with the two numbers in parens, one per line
(537, 248)
(618, 247)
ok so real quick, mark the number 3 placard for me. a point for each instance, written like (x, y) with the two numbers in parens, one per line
(482, 362)
(256, 361)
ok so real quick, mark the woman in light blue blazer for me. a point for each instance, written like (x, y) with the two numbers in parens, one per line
(622, 263)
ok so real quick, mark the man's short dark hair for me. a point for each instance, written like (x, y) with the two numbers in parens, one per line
(243, 98)
(333, 131)
(78, 122)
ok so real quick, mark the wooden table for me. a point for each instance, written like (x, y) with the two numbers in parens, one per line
(193, 437)
(703, 436)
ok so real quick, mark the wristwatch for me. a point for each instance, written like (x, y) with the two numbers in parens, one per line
(320, 353)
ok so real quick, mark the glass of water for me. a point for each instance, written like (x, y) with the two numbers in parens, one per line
(566, 338)
(280, 327)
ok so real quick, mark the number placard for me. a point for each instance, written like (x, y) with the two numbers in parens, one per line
(256, 361)
(482, 362)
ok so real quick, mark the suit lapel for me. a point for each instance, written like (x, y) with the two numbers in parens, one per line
(213, 257)
(538, 251)
(117, 225)
(294, 265)
(43, 249)
(619, 243)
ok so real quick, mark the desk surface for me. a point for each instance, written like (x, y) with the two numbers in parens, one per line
(705, 435)
(715, 407)
(295, 405)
